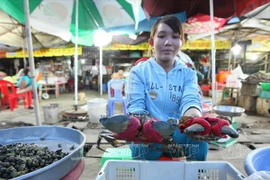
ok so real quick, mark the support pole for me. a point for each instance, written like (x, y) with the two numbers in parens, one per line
(266, 63)
(230, 61)
(76, 57)
(268, 69)
(213, 53)
(31, 60)
(100, 70)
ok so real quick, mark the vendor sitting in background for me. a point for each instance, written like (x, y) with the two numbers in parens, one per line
(119, 74)
(24, 83)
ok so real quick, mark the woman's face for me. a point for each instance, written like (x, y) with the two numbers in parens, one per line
(120, 71)
(166, 43)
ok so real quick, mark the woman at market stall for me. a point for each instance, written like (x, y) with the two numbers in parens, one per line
(119, 74)
(165, 88)
(24, 83)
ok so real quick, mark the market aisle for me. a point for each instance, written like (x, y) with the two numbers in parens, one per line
(234, 155)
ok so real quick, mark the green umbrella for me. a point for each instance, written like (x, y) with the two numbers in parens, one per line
(57, 17)
(74, 20)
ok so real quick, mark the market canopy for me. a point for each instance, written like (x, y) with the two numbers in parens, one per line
(123, 16)
(4, 48)
(143, 26)
(222, 8)
(12, 33)
(227, 24)
(58, 17)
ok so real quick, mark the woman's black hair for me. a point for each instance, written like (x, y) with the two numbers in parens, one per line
(26, 71)
(173, 22)
(121, 68)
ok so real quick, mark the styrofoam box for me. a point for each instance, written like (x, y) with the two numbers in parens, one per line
(233, 82)
(160, 170)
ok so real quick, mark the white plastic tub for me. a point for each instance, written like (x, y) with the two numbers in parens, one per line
(157, 170)
(96, 108)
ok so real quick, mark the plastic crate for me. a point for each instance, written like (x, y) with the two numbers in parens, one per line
(264, 94)
(116, 154)
(265, 86)
(157, 170)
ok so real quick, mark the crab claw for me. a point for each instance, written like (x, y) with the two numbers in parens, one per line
(165, 129)
(125, 127)
(229, 131)
(156, 131)
(116, 123)
(109, 137)
(194, 129)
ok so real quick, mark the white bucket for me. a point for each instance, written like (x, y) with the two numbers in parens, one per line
(96, 108)
(51, 113)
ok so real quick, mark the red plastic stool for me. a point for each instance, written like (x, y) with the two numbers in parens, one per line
(28, 99)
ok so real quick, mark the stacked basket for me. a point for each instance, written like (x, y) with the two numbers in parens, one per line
(265, 92)
(263, 101)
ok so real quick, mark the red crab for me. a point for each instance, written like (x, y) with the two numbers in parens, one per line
(146, 129)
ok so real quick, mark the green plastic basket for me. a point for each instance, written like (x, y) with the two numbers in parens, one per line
(265, 86)
(264, 94)
(116, 154)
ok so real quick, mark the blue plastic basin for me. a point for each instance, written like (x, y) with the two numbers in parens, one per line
(257, 160)
(51, 137)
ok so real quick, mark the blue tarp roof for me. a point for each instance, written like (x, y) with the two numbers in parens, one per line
(144, 25)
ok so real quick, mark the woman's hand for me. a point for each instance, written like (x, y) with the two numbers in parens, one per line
(194, 112)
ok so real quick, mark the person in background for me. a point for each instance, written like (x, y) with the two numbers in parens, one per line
(24, 83)
(119, 74)
(165, 88)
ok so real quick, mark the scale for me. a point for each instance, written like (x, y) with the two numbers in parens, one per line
(229, 112)
(75, 115)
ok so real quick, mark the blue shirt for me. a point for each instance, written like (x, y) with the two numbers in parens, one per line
(163, 95)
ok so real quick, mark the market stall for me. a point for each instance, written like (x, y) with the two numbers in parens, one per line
(255, 93)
